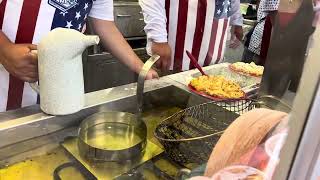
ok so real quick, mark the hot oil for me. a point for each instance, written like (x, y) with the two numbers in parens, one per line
(155, 116)
(113, 136)
(119, 136)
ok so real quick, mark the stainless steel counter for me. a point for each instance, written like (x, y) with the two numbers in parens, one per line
(28, 127)
(30, 122)
(28, 132)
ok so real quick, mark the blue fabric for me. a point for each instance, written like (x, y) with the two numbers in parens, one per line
(73, 18)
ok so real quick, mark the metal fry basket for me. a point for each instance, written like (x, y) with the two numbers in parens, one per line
(190, 135)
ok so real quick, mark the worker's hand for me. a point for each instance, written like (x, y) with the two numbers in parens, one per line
(238, 32)
(234, 42)
(152, 74)
(236, 36)
(164, 51)
(19, 61)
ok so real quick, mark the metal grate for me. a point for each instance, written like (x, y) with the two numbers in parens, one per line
(190, 135)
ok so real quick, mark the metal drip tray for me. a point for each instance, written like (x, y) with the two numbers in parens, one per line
(157, 106)
(109, 170)
(160, 102)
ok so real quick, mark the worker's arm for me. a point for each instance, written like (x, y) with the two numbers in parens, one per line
(114, 42)
(18, 60)
(102, 20)
(236, 19)
(154, 13)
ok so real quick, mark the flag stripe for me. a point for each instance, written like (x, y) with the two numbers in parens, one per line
(28, 20)
(212, 42)
(44, 21)
(11, 19)
(167, 6)
(29, 96)
(198, 26)
(207, 32)
(217, 41)
(4, 75)
(173, 19)
(181, 34)
(198, 35)
(10, 25)
(27, 23)
(15, 93)
(4, 79)
(190, 32)
(2, 10)
(225, 41)
(225, 24)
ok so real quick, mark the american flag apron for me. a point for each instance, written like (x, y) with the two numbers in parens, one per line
(199, 26)
(26, 21)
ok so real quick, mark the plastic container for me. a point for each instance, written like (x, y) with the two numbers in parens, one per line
(270, 145)
(239, 172)
(273, 147)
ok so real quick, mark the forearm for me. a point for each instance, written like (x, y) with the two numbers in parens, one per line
(114, 42)
(4, 41)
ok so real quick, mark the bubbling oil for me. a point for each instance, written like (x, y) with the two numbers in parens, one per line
(113, 136)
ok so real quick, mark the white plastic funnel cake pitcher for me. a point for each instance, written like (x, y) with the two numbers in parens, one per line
(60, 71)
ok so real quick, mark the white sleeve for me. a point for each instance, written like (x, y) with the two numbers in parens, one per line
(154, 13)
(102, 9)
(236, 16)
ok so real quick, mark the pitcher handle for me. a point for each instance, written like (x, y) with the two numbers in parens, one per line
(34, 85)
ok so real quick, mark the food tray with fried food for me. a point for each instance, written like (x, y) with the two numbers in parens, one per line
(223, 69)
(249, 69)
(216, 87)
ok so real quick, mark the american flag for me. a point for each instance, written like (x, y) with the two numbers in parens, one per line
(223, 8)
(73, 18)
(27, 21)
(198, 26)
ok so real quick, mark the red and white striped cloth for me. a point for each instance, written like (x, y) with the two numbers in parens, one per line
(26, 21)
(191, 25)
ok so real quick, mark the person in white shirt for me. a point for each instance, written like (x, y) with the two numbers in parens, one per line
(24, 22)
(199, 26)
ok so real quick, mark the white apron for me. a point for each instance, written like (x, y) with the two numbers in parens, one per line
(26, 21)
(199, 26)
